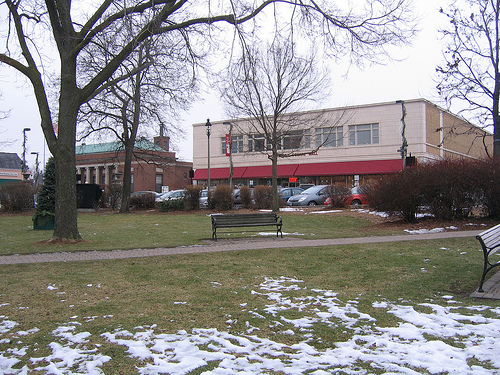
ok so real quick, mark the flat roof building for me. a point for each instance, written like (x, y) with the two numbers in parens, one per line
(351, 145)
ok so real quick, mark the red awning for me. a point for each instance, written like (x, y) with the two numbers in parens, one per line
(350, 168)
(311, 169)
(265, 171)
(218, 173)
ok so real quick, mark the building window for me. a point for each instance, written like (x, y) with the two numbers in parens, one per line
(132, 183)
(256, 142)
(363, 134)
(159, 183)
(296, 139)
(330, 137)
(236, 144)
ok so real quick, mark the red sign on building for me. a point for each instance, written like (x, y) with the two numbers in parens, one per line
(228, 145)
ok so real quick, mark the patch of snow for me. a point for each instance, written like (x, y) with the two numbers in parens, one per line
(422, 231)
(428, 338)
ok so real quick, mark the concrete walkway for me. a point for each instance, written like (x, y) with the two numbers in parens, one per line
(491, 287)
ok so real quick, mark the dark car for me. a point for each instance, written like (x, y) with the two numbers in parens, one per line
(306, 186)
(310, 197)
(285, 193)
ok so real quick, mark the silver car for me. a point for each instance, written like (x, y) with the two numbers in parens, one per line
(203, 198)
(313, 196)
(172, 194)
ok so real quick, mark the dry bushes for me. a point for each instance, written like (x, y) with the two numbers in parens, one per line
(448, 189)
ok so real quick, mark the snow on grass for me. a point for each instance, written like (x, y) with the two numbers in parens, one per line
(434, 230)
(436, 337)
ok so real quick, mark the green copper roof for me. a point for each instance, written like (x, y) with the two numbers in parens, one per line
(98, 148)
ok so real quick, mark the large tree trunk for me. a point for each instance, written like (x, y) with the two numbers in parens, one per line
(65, 225)
(127, 176)
(64, 156)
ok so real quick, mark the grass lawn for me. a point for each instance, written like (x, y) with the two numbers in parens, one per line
(45, 305)
(109, 231)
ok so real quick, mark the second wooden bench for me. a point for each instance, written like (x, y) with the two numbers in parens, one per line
(246, 220)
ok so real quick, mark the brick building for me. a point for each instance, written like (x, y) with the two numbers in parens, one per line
(154, 166)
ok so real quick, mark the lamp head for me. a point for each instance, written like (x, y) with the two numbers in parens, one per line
(208, 126)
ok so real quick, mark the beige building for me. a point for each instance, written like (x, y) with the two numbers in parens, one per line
(358, 144)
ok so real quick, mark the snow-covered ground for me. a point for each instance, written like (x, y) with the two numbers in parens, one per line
(439, 336)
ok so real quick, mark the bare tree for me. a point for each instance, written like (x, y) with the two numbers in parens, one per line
(269, 86)
(3, 115)
(470, 75)
(365, 31)
(154, 83)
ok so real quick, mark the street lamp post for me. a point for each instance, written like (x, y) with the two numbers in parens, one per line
(36, 169)
(231, 169)
(24, 169)
(209, 126)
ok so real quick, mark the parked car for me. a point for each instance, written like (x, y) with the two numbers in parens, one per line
(172, 194)
(152, 193)
(285, 193)
(204, 199)
(237, 196)
(356, 198)
(143, 199)
(310, 197)
(305, 186)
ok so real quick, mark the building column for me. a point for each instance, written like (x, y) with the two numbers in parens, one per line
(98, 174)
(107, 174)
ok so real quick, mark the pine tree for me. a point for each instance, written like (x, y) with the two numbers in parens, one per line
(47, 197)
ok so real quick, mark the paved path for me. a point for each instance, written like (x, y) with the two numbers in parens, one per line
(491, 287)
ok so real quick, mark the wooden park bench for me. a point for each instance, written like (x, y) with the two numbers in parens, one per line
(490, 241)
(246, 220)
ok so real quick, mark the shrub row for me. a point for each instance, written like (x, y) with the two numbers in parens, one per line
(17, 196)
(221, 199)
(448, 189)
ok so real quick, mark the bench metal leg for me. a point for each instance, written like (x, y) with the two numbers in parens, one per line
(278, 231)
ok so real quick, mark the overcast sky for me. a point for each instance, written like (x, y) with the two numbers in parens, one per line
(411, 78)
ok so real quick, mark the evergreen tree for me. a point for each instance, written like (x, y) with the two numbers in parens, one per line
(47, 197)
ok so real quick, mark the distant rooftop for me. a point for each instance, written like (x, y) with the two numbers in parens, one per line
(9, 160)
(99, 148)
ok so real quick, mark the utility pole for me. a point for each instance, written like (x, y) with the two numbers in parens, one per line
(231, 169)
(404, 147)
(209, 126)
(36, 169)
(23, 168)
